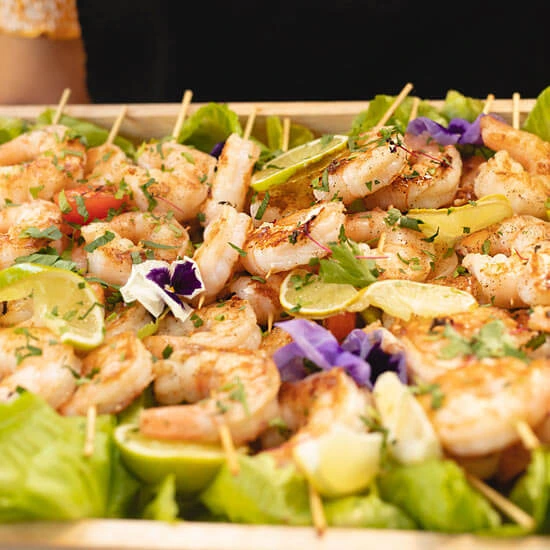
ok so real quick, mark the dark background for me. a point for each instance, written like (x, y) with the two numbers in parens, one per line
(142, 51)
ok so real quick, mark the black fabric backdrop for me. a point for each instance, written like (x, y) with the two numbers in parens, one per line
(140, 51)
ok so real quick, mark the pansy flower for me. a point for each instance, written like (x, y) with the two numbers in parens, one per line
(458, 132)
(157, 284)
(360, 354)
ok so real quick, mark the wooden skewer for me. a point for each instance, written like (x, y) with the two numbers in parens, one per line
(185, 102)
(515, 110)
(286, 134)
(503, 504)
(227, 441)
(527, 435)
(90, 431)
(270, 321)
(488, 103)
(414, 108)
(317, 511)
(116, 125)
(61, 105)
(250, 123)
(229, 448)
(398, 100)
(200, 303)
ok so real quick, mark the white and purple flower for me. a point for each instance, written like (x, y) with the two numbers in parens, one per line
(157, 284)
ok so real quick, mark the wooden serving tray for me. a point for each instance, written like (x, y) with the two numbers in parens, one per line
(144, 121)
(156, 120)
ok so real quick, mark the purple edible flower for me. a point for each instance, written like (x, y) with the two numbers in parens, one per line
(217, 149)
(360, 354)
(156, 284)
(459, 131)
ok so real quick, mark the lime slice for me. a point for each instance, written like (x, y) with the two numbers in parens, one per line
(451, 224)
(411, 435)
(281, 168)
(62, 300)
(402, 298)
(302, 294)
(340, 462)
(193, 464)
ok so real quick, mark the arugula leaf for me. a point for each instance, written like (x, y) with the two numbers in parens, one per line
(345, 265)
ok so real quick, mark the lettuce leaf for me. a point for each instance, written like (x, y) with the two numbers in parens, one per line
(262, 493)
(163, 505)
(370, 117)
(43, 471)
(532, 491)
(274, 131)
(436, 495)
(10, 128)
(366, 511)
(457, 105)
(209, 125)
(93, 135)
(538, 120)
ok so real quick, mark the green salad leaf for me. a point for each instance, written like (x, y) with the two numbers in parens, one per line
(274, 131)
(367, 511)
(532, 491)
(345, 265)
(43, 471)
(538, 120)
(10, 128)
(262, 493)
(163, 505)
(370, 117)
(457, 105)
(436, 495)
(209, 125)
(93, 135)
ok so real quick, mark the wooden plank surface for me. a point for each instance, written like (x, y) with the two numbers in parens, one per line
(149, 535)
(144, 121)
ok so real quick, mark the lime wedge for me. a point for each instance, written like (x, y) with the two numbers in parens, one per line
(340, 462)
(193, 464)
(451, 224)
(62, 300)
(411, 436)
(281, 168)
(302, 294)
(402, 298)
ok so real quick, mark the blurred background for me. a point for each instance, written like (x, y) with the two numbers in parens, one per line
(144, 51)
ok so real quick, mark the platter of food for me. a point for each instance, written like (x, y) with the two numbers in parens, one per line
(257, 325)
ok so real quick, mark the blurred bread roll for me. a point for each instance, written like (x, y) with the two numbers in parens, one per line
(56, 19)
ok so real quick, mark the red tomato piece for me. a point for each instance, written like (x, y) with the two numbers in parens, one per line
(341, 324)
(94, 203)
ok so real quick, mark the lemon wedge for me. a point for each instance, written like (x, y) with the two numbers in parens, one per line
(341, 461)
(303, 294)
(450, 224)
(194, 465)
(62, 300)
(403, 299)
(411, 437)
(281, 168)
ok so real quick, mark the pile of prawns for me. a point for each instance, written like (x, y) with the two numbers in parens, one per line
(176, 201)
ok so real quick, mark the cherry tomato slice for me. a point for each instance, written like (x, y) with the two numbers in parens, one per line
(341, 324)
(94, 203)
